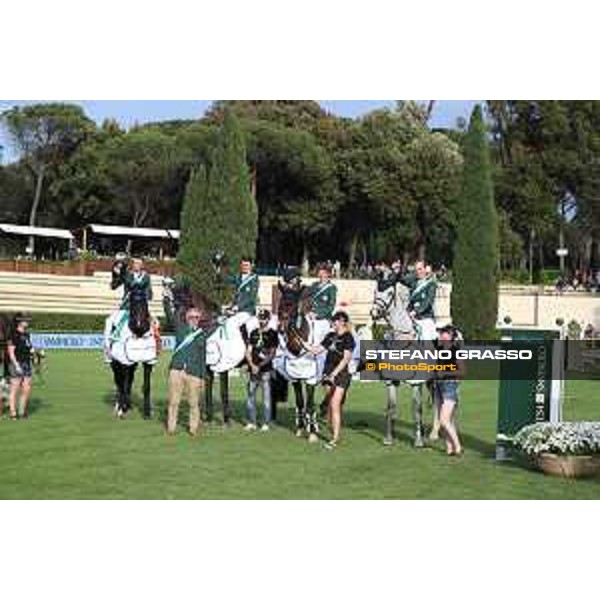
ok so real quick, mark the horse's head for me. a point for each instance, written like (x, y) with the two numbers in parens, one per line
(305, 303)
(296, 332)
(139, 314)
(383, 300)
(292, 312)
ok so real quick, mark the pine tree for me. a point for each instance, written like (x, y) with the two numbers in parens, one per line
(219, 214)
(475, 271)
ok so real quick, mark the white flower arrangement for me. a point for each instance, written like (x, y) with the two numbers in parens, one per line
(571, 437)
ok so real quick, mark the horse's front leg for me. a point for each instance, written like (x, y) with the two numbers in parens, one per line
(300, 409)
(224, 387)
(311, 414)
(417, 399)
(147, 391)
(119, 378)
(391, 391)
(129, 378)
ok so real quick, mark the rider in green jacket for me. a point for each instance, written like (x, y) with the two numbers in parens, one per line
(423, 289)
(246, 285)
(136, 279)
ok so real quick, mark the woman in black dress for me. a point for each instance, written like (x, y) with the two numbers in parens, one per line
(339, 345)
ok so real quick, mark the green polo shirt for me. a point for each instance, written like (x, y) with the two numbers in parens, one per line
(324, 298)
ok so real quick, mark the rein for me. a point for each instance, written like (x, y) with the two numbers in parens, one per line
(293, 332)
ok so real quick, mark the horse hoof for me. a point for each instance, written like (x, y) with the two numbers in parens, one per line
(419, 443)
(313, 438)
(388, 441)
(299, 433)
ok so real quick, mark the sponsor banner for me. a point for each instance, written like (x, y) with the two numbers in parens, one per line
(530, 391)
(81, 341)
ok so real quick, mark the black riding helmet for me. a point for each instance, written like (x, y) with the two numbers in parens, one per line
(291, 275)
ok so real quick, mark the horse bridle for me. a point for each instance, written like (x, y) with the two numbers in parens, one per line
(382, 311)
(381, 308)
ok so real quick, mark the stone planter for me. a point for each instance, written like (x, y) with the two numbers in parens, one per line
(570, 466)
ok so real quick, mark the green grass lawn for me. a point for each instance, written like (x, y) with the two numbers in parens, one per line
(72, 447)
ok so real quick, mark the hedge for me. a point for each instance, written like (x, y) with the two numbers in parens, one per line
(67, 322)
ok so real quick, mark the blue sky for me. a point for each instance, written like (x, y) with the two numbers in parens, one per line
(128, 112)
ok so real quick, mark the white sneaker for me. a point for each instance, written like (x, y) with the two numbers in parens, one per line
(250, 427)
(265, 428)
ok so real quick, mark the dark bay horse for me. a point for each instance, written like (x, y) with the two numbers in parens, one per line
(293, 360)
(131, 337)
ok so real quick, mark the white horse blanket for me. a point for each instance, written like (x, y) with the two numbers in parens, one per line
(121, 345)
(308, 367)
(225, 348)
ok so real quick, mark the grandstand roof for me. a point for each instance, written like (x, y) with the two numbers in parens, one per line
(48, 232)
(133, 232)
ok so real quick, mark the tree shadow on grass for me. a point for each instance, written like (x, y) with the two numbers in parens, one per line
(159, 406)
(36, 404)
(372, 425)
(369, 424)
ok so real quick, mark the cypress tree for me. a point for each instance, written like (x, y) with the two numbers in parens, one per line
(474, 299)
(219, 214)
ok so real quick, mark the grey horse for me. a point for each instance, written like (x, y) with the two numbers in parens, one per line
(389, 308)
